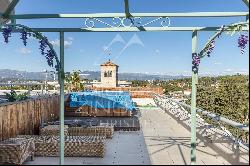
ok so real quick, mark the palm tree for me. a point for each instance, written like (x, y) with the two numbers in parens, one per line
(73, 82)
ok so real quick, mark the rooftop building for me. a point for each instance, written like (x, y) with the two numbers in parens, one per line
(109, 74)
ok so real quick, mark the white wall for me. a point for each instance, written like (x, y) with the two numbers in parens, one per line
(144, 101)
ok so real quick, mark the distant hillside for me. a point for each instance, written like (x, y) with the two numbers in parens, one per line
(131, 76)
(6, 74)
(22, 75)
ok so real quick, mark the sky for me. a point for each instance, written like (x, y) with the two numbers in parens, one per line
(144, 52)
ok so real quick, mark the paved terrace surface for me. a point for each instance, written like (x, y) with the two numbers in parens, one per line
(123, 149)
(168, 142)
(162, 140)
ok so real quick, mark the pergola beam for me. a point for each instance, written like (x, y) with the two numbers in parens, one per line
(128, 29)
(112, 15)
(10, 8)
(127, 13)
(246, 2)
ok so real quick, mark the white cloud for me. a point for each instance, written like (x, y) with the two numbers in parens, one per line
(217, 63)
(24, 51)
(55, 42)
(157, 51)
(67, 43)
(71, 38)
(229, 70)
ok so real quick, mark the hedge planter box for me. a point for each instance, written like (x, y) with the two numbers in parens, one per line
(75, 146)
(16, 150)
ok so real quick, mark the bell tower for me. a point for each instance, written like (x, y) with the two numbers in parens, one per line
(109, 74)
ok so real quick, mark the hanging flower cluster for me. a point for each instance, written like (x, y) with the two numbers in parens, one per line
(6, 34)
(24, 36)
(43, 44)
(45, 48)
(196, 62)
(242, 43)
(242, 40)
(50, 56)
(210, 47)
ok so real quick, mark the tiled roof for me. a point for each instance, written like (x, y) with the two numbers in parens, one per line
(109, 63)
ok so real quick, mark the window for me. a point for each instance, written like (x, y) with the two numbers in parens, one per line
(108, 74)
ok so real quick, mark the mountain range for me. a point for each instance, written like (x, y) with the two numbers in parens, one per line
(6, 74)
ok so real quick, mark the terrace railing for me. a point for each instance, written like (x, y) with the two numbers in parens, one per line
(215, 135)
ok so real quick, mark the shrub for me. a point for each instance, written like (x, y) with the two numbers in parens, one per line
(13, 96)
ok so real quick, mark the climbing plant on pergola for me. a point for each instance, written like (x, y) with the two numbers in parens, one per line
(125, 22)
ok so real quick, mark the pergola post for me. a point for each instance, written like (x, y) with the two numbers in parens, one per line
(193, 103)
(61, 80)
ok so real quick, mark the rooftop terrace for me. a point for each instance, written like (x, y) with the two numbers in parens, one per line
(161, 141)
(169, 132)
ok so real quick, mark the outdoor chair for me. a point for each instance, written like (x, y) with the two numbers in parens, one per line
(16, 150)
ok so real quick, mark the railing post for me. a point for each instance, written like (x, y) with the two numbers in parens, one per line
(61, 80)
(193, 103)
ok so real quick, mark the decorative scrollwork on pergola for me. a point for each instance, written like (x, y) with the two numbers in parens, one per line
(127, 22)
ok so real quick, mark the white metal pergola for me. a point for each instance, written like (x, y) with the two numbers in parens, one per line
(124, 22)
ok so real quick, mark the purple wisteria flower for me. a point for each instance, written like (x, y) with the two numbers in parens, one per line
(210, 48)
(196, 59)
(57, 67)
(242, 43)
(49, 55)
(24, 36)
(7, 33)
(196, 62)
(43, 44)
